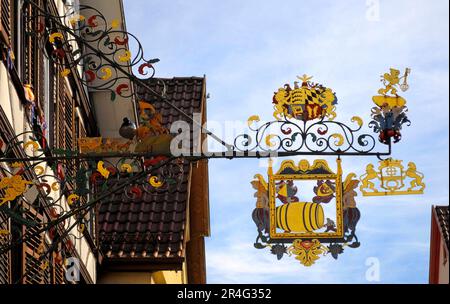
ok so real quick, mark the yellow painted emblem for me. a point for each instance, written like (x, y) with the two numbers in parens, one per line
(306, 101)
(14, 187)
(392, 178)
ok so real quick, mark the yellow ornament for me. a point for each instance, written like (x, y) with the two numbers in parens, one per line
(101, 169)
(72, 199)
(33, 144)
(253, 119)
(55, 36)
(126, 57)
(107, 73)
(154, 182)
(126, 168)
(65, 72)
(39, 170)
(307, 252)
(15, 186)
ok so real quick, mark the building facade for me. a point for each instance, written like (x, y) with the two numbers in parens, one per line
(159, 238)
(36, 97)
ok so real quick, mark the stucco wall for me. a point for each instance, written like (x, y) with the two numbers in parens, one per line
(160, 277)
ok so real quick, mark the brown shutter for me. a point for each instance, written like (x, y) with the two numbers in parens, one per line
(31, 59)
(65, 124)
(5, 258)
(5, 24)
(59, 272)
(31, 265)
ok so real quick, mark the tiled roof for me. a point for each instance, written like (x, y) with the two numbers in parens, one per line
(442, 215)
(153, 226)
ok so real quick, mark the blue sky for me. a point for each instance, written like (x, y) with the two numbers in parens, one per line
(248, 49)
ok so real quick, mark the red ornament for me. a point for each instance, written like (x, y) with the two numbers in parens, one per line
(121, 88)
(91, 21)
(143, 66)
(118, 41)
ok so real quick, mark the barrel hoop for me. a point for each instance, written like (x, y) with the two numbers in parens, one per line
(317, 214)
(311, 218)
(278, 223)
(314, 217)
(304, 217)
(279, 212)
(286, 217)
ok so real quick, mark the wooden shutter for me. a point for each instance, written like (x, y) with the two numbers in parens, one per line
(65, 124)
(58, 271)
(31, 265)
(5, 24)
(5, 258)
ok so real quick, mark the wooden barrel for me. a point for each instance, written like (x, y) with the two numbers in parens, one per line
(299, 217)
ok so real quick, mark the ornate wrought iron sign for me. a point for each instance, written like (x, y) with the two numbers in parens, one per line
(303, 209)
(98, 46)
(305, 124)
(306, 210)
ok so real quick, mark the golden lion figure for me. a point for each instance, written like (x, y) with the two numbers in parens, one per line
(15, 186)
(281, 98)
(417, 178)
(390, 80)
(328, 98)
(366, 179)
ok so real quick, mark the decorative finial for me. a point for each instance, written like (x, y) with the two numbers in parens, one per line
(305, 78)
(270, 169)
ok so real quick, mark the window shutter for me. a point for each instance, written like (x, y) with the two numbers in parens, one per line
(33, 271)
(65, 125)
(31, 62)
(5, 24)
(5, 259)
(59, 272)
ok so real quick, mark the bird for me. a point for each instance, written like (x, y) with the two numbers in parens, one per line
(127, 129)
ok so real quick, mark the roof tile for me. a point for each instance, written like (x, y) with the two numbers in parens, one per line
(153, 225)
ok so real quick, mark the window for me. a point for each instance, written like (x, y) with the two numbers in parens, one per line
(5, 20)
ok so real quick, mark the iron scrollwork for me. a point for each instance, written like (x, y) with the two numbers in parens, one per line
(83, 38)
(305, 123)
(316, 137)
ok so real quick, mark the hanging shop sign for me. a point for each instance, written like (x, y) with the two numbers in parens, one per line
(306, 210)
